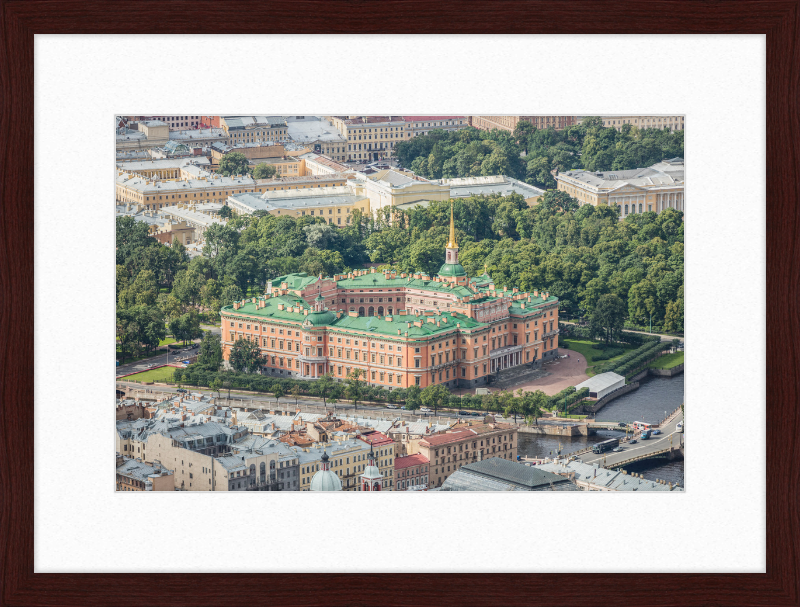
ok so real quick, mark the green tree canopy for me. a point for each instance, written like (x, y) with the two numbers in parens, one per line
(234, 163)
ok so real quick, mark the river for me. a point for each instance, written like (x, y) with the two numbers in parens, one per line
(647, 403)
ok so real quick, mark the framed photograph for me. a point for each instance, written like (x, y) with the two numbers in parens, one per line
(468, 283)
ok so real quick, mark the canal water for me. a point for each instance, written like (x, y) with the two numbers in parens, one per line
(647, 403)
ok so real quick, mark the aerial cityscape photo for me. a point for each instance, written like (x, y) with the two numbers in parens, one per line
(399, 303)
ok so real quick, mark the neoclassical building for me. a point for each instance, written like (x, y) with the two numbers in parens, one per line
(399, 329)
(634, 191)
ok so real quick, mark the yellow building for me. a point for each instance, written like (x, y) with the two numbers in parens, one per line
(673, 123)
(393, 188)
(635, 191)
(509, 123)
(347, 458)
(371, 137)
(335, 204)
(199, 186)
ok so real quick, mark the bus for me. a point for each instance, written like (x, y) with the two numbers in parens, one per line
(641, 425)
(606, 445)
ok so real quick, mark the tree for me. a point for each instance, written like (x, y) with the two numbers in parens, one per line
(323, 386)
(234, 163)
(413, 398)
(188, 286)
(435, 396)
(264, 171)
(225, 212)
(296, 393)
(354, 386)
(186, 327)
(277, 392)
(245, 356)
(608, 316)
(210, 353)
(216, 386)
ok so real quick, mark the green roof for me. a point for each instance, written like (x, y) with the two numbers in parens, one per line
(452, 269)
(379, 324)
(296, 281)
(270, 309)
(321, 319)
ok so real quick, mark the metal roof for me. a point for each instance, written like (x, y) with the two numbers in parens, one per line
(600, 382)
(512, 472)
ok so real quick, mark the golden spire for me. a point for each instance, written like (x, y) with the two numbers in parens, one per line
(452, 242)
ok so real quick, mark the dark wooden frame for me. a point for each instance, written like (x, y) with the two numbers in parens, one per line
(20, 20)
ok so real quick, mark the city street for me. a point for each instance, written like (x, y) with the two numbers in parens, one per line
(142, 365)
(668, 437)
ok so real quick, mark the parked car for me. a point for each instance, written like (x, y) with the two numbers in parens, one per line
(656, 431)
(391, 406)
(476, 414)
(182, 391)
(404, 408)
(426, 410)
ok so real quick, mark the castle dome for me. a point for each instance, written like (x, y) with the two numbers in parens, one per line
(325, 479)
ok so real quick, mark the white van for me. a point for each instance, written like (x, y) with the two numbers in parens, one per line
(426, 410)
(679, 428)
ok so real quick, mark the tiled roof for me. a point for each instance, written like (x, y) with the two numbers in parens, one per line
(449, 437)
(410, 460)
(376, 439)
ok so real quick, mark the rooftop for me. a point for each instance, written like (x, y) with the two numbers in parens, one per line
(614, 480)
(503, 185)
(449, 437)
(512, 472)
(410, 460)
(140, 471)
(668, 173)
(431, 118)
(600, 382)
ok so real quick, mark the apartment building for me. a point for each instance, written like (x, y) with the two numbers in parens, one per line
(450, 451)
(371, 137)
(509, 123)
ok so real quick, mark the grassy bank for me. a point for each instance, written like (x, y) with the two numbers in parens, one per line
(160, 374)
(585, 348)
(668, 361)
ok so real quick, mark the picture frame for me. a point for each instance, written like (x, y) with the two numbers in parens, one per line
(19, 585)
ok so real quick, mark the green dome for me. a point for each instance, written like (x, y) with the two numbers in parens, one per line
(452, 269)
(319, 319)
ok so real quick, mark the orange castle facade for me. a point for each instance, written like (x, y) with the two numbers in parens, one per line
(399, 329)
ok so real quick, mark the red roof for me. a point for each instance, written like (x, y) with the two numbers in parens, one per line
(421, 118)
(410, 460)
(450, 437)
(377, 439)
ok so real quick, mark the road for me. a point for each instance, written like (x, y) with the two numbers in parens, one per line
(662, 336)
(668, 437)
(161, 359)
(288, 403)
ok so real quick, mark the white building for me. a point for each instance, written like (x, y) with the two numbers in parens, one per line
(602, 384)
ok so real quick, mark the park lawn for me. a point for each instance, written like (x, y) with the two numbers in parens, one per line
(584, 347)
(166, 341)
(159, 374)
(668, 361)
